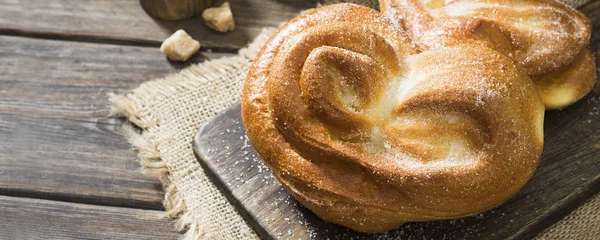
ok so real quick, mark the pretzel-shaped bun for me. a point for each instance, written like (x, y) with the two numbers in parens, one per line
(368, 134)
(546, 39)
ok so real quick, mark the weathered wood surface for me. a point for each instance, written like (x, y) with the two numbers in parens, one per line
(568, 175)
(126, 21)
(56, 140)
(25, 218)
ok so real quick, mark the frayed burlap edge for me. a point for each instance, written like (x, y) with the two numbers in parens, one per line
(136, 108)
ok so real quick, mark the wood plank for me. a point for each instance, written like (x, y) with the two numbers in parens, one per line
(126, 21)
(56, 140)
(25, 218)
(568, 175)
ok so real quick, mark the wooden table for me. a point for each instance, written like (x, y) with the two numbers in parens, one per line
(66, 171)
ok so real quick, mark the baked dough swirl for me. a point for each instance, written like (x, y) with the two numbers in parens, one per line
(546, 39)
(369, 134)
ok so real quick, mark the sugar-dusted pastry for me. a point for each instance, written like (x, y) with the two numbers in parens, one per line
(368, 133)
(546, 39)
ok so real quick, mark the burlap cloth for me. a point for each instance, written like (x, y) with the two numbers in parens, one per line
(169, 110)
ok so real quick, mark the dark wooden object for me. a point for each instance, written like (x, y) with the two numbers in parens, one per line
(175, 9)
(25, 218)
(568, 174)
(124, 21)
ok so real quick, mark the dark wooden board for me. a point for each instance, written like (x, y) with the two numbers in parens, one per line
(26, 218)
(56, 140)
(125, 21)
(568, 174)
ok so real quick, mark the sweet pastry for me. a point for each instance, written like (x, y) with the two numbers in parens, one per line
(546, 39)
(369, 132)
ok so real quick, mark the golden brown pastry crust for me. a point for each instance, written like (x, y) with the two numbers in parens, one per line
(545, 38)
(369, 134)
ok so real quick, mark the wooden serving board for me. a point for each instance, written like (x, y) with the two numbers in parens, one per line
(568, 174)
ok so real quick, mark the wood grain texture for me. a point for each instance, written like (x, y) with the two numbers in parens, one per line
(25, 218)
(126, 21)
(56, 140)
(568, 175)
